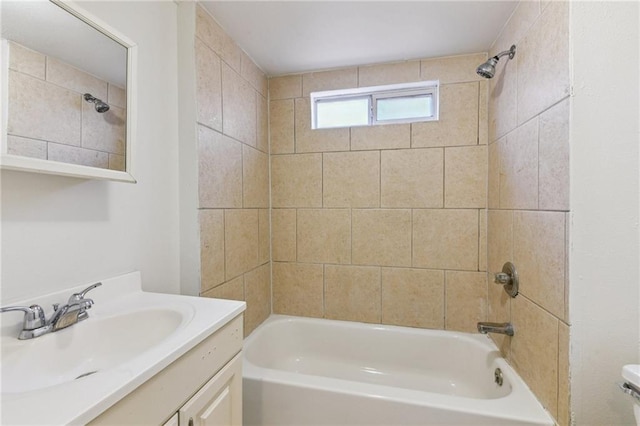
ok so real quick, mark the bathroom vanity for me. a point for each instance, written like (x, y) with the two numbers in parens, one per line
(204, 386)
(139, 358)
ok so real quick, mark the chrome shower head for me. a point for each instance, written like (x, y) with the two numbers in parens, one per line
(488, 69)
(101, 107)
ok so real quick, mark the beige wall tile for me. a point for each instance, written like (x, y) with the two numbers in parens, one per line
(412, 178)
(320, 140)
(75, 155)
(483, 113)
(298, 289)
(534, 351)
(553, 161)
(466, 300)
(208, 86)
(519, 168)
(503, 99)
(445, 239)
(329, 80)
(400, 72)
(499, 251)
(26, 61)
(413, 297)
(26, 147)
(263, 123)
(286, 87)
(499, 239)
(564, 388)
(56, 117)
(351, 179)
(117, 96)
(283, 234)
(254, 75)
(208, 30)
(352, 293)
(539, 241)
(264, 230)
(232, 290)
(281, 126)
(238, 107)
(482, 245)
(296, 180)
(523, 17)
(255, 178)
(257, 291)
(211, 248)
(465, 176)
(117, 162)
(241, 241)
(381, 237)
(104, 131)
(61, 74)
(389, 136)
(219, 169)
(543, 62)
(499, 310)
(493, 174)
(324, 235)
(458, 123)
(452, 69)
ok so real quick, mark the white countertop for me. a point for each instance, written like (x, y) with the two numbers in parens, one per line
(80, 401)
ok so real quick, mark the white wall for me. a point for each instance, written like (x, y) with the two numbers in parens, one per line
(605, 280)
(59, 232)
(189, 203)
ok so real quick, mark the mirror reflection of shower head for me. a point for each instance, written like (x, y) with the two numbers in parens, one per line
(101, 107)
(488, 69)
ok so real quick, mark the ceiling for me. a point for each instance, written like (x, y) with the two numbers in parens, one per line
(285, 37)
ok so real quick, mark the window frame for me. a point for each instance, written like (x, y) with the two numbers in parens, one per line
(374, 93)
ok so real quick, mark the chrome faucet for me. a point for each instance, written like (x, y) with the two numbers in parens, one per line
(35, 324)
(496, 327)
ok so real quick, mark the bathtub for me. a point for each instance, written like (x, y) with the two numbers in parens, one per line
(302, 371)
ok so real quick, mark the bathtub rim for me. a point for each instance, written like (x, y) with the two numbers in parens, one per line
(521, 404)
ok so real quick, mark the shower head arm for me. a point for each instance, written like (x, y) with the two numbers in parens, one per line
(511, 52)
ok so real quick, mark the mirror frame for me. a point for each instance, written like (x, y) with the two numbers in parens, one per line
(36, 165)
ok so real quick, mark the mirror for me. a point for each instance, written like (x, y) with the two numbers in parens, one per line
(67, 92)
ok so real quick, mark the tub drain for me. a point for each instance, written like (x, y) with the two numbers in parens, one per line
(497, 375)
(86, 374)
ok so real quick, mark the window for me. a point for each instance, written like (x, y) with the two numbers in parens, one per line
(368, 106)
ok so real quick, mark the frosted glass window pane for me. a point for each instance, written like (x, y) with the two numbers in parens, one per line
(342, 113)
(404, 108)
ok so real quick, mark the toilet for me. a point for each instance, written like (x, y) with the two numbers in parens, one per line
(631, 386)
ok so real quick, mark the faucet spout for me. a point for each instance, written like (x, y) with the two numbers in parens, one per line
(69, 314)
(496, 327)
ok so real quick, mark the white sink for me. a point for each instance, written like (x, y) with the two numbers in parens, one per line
(86, 348)
(73, 375)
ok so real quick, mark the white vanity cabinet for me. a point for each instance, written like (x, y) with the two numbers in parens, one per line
(219, 402)
(202, 387)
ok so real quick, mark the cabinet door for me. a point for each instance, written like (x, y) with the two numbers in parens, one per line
(219, 402)
(173, 421)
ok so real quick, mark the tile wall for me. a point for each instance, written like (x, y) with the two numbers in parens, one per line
(49, 119)
(528, 197)
(233, 170)
(383, 224)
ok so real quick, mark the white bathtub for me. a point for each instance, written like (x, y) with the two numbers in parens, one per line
(302, 371)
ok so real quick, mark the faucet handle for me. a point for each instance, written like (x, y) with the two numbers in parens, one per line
(75, 297)
(502, 278)
(33, 315)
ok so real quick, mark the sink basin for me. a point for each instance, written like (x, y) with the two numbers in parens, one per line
(86, 348)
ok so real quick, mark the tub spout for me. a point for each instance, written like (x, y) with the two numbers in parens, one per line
(496, 327)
